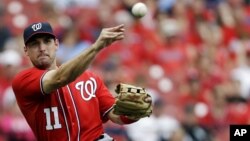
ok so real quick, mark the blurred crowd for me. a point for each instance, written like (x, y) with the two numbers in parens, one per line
(192, 56)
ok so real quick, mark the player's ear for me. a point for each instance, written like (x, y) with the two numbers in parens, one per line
(25, 50)
(56, 43)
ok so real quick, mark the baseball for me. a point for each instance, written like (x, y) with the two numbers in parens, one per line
(139, 9)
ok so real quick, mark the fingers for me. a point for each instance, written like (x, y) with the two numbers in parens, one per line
(114, 35)
(110, 35)
(119, 28)
(148, 99)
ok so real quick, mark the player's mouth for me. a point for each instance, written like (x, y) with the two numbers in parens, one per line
(41, 56)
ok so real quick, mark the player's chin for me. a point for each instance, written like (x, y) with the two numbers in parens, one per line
(43, 64)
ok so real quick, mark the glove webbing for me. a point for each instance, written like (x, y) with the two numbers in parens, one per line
(132, 90)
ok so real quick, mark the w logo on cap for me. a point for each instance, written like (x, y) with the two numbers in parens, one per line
(36, 27)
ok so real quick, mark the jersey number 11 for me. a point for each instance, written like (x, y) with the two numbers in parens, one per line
(47, 112)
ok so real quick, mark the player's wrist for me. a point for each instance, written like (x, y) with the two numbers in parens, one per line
(96, 47)
(127, 120)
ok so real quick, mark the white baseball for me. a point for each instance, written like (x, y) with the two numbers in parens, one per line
(139, 9)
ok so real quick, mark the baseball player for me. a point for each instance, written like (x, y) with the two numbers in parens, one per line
(67, 102)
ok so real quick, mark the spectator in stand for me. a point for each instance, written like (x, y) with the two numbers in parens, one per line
(172, 55)
(242, 71)
(158, 127)
(12, 123)
(5, 33)
(71, 44)
(10, 63)
(193, 131)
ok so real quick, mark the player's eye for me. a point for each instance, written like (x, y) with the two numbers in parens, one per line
(47, 40)
(33, 44)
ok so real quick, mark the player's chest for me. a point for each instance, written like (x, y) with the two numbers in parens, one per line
(80, 93)
(82, 90)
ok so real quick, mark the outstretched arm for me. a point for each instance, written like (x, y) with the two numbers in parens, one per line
(70, 70)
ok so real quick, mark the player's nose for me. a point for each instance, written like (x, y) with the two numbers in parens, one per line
(42, 46)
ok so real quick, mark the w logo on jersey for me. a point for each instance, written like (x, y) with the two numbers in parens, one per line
(36, 27)
(87, 88)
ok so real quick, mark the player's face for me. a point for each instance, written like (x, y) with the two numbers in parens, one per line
(41, 50)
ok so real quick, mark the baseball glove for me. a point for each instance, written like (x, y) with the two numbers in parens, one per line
(130, 101)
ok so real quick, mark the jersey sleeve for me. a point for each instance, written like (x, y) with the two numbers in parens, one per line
(106, 99)
(28, 84)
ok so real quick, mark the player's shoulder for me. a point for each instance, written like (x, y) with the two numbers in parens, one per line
(23, 74)
(90, 73)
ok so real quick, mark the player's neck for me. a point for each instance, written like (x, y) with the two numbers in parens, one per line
(52, 66)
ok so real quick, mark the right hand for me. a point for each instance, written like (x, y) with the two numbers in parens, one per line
(109, 35)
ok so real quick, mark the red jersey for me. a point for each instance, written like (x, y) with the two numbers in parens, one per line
(71, 113)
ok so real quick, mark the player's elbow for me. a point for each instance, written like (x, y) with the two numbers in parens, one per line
(53, 81)
(61, 81)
